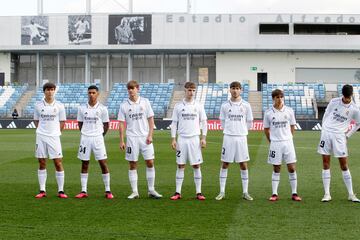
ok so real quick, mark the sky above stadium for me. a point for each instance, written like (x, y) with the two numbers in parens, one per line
(29, 7)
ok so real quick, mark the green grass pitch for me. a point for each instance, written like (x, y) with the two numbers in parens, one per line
(23, 216)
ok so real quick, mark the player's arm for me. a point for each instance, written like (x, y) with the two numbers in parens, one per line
(203, 126)
(292, 129)
(80, 124)
(149, 138)
(106, 127)
(267, 134)
(121, 133)
(249, 118)
(62, 125)
(173, 128)
(354, 127)
(36, 123)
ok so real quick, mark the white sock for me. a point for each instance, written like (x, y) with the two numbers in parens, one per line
(84, 180)
(326, 177)
(42, 175)
(348, 181)
(60, 180)
(150, 177)
(223, 177)
(106, 180)
(179, 179)
(245, 180)
(293, 182)
(275, 182)
(197, 179)
(133, 178)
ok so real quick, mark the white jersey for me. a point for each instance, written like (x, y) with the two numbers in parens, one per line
(92, 119)
(188, 116)
(81, 27)
(234, 116)
(338, 116)
(49, 117)
(279, 122)
(136, 115)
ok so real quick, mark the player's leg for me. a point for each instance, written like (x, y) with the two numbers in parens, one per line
(198, 181)
(131, 155)
(84, 179)
(275, 180)
(293, 181)
(326, 177)
(178, 181)
(150, 177)
(222, 179)
(60, 176)
(347, 179)
(42, 175)
(106, 178)
(244, 172)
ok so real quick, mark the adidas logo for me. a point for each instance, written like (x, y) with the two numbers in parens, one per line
(31, 125)
(317, 127)
(0, 126)
(297, 127)
(11, 125)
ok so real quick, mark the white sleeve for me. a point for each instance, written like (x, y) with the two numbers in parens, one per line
(203, 116)
(80, 117)
(266, 123)
(292, 117)
(62, 113)
(121, 114)
(36, 113)
(203, 127)
(222, 116)
(249, 117)
(174, 122)
(150, 112)
(328, 110)
(105, 115)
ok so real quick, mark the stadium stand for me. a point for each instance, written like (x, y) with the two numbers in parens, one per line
(212, 95)
(71, 95)
(9, 95)
(159, 95)
(356, 95)
(300, 97)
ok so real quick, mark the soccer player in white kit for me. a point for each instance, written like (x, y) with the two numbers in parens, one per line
(138, 115)
(49, 117)
(188, 119)
(93, 120)
(335, 124)
(279, 127)
(236, 119)
(34, 30)
(81, 26)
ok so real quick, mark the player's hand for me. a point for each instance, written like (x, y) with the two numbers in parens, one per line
(173, 144)
(149, 140)
(122, 146)
(203, 143)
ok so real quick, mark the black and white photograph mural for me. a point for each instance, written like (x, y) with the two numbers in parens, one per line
(79, 29)
(129, 29)
(34, 30)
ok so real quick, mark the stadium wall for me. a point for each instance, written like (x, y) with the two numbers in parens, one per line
(5, 65)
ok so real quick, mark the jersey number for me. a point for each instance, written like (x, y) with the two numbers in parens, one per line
(128, 150)
(322, 144)
(82, 149)
(178, 153)
(223, 151)
(272, 154)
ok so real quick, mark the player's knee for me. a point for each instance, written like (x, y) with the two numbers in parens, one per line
(132, 165)
(150, 163)
(225, 165)
(181, 166)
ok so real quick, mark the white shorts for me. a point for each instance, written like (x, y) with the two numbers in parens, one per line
(283, 151)
(188, 148)
(92, 144)
(48, 147)
(136, 145)
(235, 148)
(333, 143)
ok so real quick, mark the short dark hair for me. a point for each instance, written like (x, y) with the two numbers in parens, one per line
(189, 85)
(277, 92)
(93, 87)
(347, 90)
(235, 84)
(48, 85)
(132, 84)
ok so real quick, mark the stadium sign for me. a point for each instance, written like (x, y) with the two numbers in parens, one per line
(307, 18)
